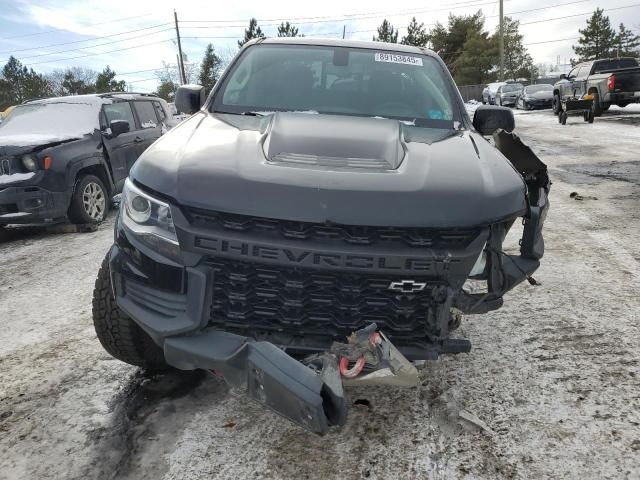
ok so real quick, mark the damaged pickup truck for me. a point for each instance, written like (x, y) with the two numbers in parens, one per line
(316, 221)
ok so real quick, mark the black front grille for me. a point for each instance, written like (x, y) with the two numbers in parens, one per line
(251, 299)
(350, 234)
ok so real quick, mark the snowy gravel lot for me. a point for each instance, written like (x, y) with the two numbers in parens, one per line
(555, 374)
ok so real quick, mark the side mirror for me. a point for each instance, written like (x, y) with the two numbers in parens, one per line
(488, 119)
(118, 127)
(563, 76)
(190, 98)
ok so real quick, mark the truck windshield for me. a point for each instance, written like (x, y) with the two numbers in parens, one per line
(56, 119)
(614, 64)
(339, 80)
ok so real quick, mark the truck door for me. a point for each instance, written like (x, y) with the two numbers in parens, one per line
(123, 149)
(566, 89)
(580, 82)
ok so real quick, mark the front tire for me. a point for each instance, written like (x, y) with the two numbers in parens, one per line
(120, 336)
(89, 201)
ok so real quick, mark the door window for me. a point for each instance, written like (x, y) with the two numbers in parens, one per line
(162, 116)
(119, 111)
(146, 114)
(582, 72)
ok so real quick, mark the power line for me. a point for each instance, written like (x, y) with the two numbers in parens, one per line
(465, 4)
(552, 41)
(96, 45)
(64, 29)
(86, 39)
(101, 53)
(579, 14)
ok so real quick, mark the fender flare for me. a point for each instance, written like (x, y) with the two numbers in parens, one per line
(75, 167)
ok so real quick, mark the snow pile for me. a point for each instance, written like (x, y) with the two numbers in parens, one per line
(15, 177)
(52, 120)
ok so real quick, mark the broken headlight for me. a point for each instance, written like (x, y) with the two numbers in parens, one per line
(149, 220)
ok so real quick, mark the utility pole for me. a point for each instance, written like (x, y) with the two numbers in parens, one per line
(183, 77)
(344, 30)
(501, 41)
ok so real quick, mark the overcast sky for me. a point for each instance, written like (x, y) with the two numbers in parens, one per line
(30, 30)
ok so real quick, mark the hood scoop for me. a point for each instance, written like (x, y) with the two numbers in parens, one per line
(334, 142)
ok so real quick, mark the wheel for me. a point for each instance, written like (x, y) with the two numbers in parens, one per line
(89, 202)
(120, 336)
(605, 107)
(556, 104)
(499, 101)
(596, 108)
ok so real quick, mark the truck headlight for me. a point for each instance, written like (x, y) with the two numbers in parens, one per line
(149, 220)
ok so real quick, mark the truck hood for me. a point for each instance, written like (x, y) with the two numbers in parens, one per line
(333, 169)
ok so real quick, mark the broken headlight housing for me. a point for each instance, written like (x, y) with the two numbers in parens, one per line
(149, 220)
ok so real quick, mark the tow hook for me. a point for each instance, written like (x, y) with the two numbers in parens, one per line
(375, 360)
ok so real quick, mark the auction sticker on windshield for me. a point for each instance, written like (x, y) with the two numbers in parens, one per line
(395, 58)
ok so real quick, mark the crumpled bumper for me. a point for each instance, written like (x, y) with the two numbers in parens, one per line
(309, 393)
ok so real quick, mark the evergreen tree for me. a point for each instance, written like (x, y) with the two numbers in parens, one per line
(386, 33)
(448, 41)
(477, 61)
(106, 82)
(517, 61)
(598, 40)
(18, 83)
(287, 30)
(254, 31)
(627, 43)
(209, 69)
(416, 34)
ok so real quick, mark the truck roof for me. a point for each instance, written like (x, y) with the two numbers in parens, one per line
(329, 42)
(98, 98)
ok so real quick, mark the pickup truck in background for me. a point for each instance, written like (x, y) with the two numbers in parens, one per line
(614, 81)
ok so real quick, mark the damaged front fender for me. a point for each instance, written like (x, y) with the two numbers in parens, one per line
(536, 177)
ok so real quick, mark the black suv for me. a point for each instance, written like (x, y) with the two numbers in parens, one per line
(65, 156)
(322, 188)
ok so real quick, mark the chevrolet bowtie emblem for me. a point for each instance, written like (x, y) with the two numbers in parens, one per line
(407, 286)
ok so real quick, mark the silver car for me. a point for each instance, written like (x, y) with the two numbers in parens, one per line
(507, 94)
(489, 93)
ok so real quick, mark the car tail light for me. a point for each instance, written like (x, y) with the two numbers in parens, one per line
(47, 161)
(612, 83)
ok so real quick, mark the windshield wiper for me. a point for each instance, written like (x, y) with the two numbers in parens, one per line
(248, 113)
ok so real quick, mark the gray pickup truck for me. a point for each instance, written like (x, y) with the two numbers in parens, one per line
(613, 81)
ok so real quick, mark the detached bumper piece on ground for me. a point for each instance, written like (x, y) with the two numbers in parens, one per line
(307, 392)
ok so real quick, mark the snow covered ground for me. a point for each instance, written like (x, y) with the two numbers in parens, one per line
(555, 374)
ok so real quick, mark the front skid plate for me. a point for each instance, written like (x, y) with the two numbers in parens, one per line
(312, 400)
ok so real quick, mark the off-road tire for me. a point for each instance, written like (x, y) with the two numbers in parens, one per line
(119, 335)
(77, 212)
